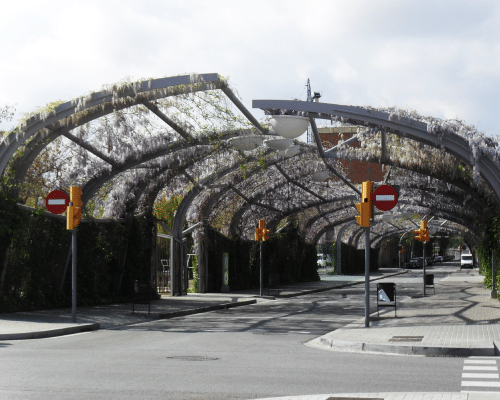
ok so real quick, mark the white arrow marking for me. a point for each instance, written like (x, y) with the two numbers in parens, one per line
(56, 202)
(384, 197)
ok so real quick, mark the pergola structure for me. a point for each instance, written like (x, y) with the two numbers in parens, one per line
(132, 143)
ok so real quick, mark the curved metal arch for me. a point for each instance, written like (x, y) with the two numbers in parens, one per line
(396, 232)
(137, 93)
(146, 90)
(409, 128)
(455, 197)
(320, 233)
(45, 136)
(449, 216)
(92, 186)
(140, 195)
(255, 171)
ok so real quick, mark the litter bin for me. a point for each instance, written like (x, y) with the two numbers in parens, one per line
(386, 296)
(429, 281)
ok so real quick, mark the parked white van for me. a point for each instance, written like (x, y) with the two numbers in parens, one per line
(466, 261)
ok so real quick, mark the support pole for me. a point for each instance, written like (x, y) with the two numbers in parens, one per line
(73, 276)
(494, 274)
(367, 277)
(423, 263)
(260, 243)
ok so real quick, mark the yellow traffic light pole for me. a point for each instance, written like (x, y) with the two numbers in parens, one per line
(365, 209)
(261, 233)
(73, 217)
(422, 235)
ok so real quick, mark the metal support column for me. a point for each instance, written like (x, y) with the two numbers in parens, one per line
(367, 277)
(423, 264)
(494, 274)
(73, 275)
(260, 243)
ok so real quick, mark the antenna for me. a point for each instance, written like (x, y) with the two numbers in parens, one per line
(315, 98)
(310, 139)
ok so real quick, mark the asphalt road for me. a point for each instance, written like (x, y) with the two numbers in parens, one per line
(242, 353)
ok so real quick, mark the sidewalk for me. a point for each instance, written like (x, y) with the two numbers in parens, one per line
(49, 323)
(460, 319)
(393, 396)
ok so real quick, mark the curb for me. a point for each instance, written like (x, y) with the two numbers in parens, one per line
(158, 316)
(51, 332)
(427, 351)
(200, 310)
(336, 287)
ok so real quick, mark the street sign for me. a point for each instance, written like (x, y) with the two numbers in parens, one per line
(385, 197)
(57, 202)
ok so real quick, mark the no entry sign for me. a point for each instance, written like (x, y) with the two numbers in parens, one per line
(385, 197)
(57, 202)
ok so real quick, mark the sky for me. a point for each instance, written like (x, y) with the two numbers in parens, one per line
(439, 58)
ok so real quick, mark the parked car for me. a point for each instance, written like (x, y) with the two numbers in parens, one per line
(415, 262)
(438, 259)
(325, 260)
(466, 261)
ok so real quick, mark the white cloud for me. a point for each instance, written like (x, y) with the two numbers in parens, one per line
(440, 58)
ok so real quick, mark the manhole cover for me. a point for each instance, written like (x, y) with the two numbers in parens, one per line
(192, 358)
(406, 339)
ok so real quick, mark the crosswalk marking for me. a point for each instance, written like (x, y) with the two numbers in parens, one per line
(480, 362)
(475, 375)
(481, 378)
(481, 383)
(479, 368)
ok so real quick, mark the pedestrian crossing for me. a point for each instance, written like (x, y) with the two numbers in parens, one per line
(481, 375)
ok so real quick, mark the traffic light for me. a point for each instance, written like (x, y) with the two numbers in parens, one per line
(418, 235)
(74, 212)
(403, 249)
(365, 208)
(265, 234)
(422, 234)
(261, 232)
(426, 235)
(424, 230)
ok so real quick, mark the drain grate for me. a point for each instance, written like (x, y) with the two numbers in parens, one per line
(406, 339)
(192, 358)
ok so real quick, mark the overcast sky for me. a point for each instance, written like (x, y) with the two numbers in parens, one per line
(440, 58)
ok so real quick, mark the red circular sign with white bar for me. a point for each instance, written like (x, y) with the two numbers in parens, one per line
(57, 202)
(385, 197)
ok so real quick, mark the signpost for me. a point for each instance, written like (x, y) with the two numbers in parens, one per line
(261, 233)
(58, 202)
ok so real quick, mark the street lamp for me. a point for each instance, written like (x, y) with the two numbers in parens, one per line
(289, 126)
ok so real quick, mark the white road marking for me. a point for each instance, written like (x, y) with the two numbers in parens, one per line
(480, 362)
(481, 383)
(479, 368)
(478, 375)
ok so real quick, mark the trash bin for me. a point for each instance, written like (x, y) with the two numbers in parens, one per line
(429, 281)
(386, 296)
